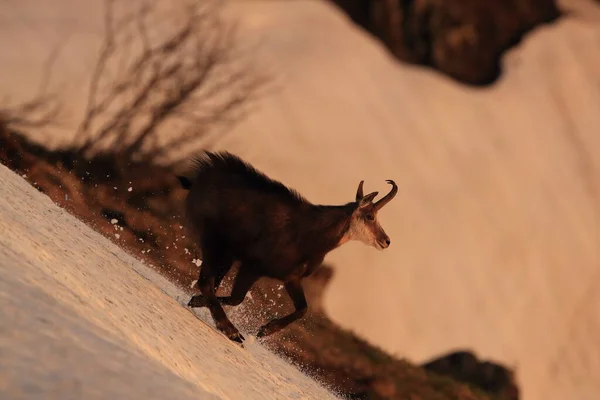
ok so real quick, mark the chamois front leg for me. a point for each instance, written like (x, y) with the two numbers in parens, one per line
(296, 293)
(206, 283)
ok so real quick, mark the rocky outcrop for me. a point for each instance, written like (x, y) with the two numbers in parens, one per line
(464, 39)
(488, 376)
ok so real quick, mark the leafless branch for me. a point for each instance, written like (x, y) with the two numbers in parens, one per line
(37, 113)
(43, 110)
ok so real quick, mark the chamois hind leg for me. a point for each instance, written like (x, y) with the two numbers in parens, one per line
(206, 283)
(243, 282)
(219, 273)
(296, 293)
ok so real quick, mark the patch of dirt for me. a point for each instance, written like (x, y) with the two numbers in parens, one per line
(139, 207)
(464, 39)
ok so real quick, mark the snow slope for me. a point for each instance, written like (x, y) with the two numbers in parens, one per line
(495, 229)
(80, 318)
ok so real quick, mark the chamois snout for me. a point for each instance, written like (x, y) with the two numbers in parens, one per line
(384, 241)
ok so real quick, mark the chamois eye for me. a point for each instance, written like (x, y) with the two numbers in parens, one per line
(370, 217)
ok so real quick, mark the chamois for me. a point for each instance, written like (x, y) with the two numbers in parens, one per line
(236, 213)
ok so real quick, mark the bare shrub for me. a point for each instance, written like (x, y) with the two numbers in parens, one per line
(158, 66)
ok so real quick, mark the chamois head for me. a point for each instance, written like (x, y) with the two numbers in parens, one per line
(363, 224)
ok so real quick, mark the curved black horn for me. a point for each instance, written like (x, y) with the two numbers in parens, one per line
(359, 192)
(388, 197)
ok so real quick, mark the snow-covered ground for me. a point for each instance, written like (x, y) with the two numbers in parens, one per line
(81, 319)
(495, 229)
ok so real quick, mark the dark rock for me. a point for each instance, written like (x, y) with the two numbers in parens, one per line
(464, 366)
(464, 39)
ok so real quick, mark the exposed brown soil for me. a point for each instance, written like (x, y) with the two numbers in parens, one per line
(146, 221)
(464, 39)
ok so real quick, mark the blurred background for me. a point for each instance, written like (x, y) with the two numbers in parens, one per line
(485, 113)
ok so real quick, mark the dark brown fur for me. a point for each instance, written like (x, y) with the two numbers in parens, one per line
(237, 213)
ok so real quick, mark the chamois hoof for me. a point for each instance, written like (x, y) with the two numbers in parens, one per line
(230, 331)
(197, 301)
(264, 330)
(236, 337)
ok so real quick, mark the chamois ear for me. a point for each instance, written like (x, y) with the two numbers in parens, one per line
(366, 200)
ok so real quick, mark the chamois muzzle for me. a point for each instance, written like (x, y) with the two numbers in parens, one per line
(384, 243)
(388, 197)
